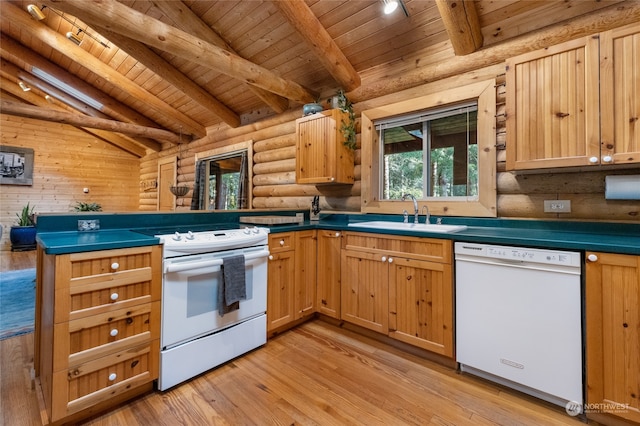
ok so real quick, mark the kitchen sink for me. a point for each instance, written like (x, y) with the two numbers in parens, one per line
(414, 227)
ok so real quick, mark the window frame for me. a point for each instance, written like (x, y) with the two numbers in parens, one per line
(482, 205)
(229, 150)
(425, 118)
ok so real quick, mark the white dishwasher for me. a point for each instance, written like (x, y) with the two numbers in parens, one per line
(519, 319)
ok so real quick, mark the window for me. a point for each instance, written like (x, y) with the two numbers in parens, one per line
(223, 179)
(439, 148)
(430, 154)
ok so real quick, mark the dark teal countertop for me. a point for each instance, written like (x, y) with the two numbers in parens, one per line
(74, 241)
(57, 234)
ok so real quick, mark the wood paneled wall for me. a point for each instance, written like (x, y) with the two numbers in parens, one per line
(519, 195)
(66, 160)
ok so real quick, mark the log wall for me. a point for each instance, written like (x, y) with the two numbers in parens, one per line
(519, 195)
(66, 161)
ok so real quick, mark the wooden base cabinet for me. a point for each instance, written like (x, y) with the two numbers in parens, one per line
(291, 278)
(99, 328)
(328, 273)
(613, 335)
(400, 286)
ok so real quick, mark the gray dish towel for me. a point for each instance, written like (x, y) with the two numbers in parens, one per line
(233, 287)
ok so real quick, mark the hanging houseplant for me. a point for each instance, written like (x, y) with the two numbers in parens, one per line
(23, 235)
(348, 127)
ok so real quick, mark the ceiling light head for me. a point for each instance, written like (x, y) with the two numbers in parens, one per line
(390, 6)
(23, 86)
(74, 38)
(36, 12)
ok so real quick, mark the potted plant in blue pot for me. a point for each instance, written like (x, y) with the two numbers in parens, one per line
(23, 235)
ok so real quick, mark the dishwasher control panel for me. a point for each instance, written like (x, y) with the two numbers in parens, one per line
(521, 254)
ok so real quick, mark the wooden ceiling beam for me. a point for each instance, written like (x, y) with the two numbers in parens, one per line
(124, 20)
(460, 19)
(9, 69)
(111, 107)
(12, 108)
(109, 137)
(184, 19)
(168, 72)
(302, 19)
(59, 42)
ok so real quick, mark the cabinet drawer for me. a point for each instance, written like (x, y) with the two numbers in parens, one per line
(431, 249)
(281, 242)
(96, 336)
(95, 381)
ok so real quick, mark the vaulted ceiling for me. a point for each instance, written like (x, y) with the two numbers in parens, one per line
(151, 72)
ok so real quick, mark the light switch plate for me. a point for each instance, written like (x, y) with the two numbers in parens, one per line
(557, 206)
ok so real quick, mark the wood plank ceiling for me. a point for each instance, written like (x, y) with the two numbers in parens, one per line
(151, 72)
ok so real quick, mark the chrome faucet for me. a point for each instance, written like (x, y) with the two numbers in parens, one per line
(427, 215)
(415, 206)
(405, 216)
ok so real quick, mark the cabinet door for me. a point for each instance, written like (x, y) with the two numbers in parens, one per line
(613, 333)
(328, 276)
(620, 95)
(421, 304)
(305, 272)
(280, 289)
(365, 296)
(321, 156)
(553, 113)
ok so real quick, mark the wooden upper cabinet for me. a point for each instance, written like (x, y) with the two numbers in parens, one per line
(552, 106)
(321, 156)
(576, 104)
(620, 94)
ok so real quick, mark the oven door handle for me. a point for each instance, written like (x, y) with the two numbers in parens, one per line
(189, 266)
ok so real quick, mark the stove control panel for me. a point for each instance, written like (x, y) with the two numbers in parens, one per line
(180, 243)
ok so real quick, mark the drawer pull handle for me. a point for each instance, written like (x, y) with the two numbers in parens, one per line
(114, 296)
(115, 266)
(391, 260)
(384, 258)
(281, 242)
(593, 160)
(592, 258)
(607, 159)
(114, 332)
(112, 377)
(337, 234)
(270, 257)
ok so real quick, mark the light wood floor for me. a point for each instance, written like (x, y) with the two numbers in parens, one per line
(315, 374)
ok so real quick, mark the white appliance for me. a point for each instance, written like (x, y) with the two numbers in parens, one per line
(519, 319)
(194, 336)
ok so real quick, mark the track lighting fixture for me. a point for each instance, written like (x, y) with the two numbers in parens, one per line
(36, 12)
(23, 86)
(75, 37)
(389, 6)
(70, 35)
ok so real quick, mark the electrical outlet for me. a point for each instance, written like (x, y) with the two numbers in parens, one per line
(88, 224)
(557, 206)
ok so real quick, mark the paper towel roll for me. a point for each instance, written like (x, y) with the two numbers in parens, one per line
(625, 187)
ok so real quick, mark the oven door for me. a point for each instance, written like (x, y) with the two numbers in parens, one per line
(190, 289)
